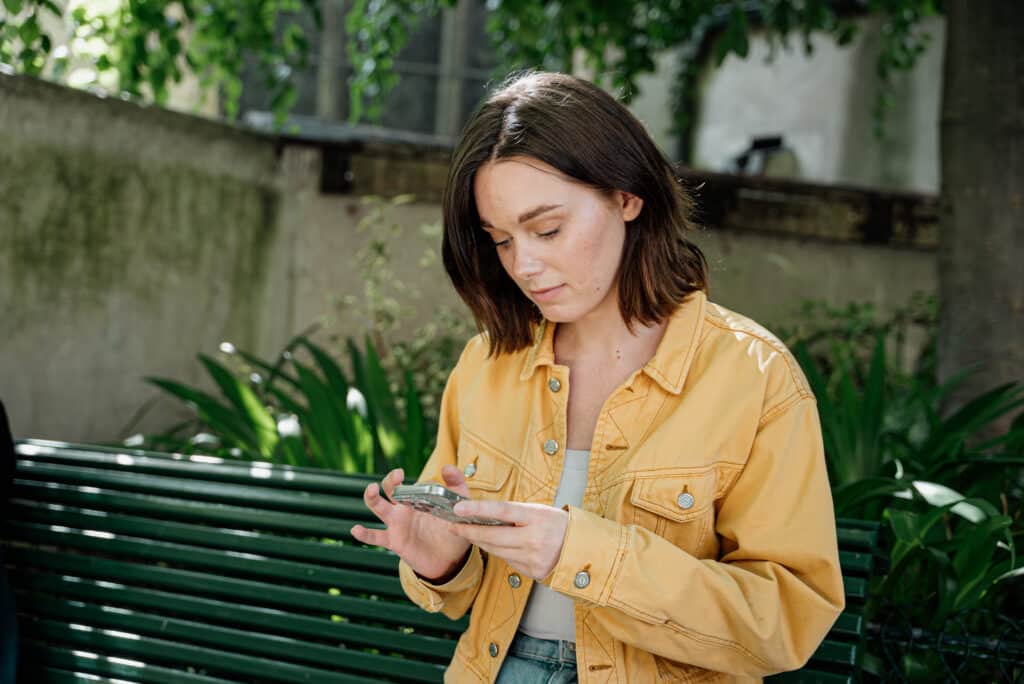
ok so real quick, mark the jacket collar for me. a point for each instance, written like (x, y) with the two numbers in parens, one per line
(671, 360)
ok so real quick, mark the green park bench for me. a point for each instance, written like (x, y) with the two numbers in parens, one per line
(151, 567)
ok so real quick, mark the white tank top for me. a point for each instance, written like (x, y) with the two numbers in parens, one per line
(549, 614)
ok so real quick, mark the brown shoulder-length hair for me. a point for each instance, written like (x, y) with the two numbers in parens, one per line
(589, 136)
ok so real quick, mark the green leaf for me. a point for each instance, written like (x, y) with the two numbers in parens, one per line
(246, 403)
(325, 422)
(972, 561)
(847, 497)
(974, 510)
(272, 372)
(29, 31)
(13, 6)
(415, 429)
(1011, 574)
(338, 388)
(290, 450)
(219, 417)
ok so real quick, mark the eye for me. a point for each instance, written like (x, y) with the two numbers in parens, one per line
(503, 243)
(550, 234)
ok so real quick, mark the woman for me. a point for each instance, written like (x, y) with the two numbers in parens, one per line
(660, 456)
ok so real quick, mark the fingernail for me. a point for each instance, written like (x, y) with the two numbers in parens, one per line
(462, 508)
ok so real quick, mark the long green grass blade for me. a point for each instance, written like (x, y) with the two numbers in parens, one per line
(246, 404)
(415, 429)
(339, 389)
(220, 418)
(273, 372)
(325, 421)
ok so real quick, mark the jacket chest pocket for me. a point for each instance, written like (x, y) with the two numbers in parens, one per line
(678, 506)
(487, 470)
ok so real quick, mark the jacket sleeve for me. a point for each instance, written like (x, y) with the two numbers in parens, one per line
(453, 598)
(766, 604)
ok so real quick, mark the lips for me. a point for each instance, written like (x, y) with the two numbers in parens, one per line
(545, 294)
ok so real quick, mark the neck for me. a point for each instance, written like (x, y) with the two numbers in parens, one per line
(602, 337)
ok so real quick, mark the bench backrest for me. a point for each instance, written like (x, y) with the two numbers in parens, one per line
(167, 568)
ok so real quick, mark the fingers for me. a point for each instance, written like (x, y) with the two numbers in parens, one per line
(392, 480)
(380, 506)
(455, 479)
(368, 536)
(507, 511)
(489, 536)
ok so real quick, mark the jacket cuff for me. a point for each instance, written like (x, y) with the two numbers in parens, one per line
(591, 556)
(430, 596)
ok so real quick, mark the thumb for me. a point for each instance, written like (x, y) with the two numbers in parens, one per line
(455, 480)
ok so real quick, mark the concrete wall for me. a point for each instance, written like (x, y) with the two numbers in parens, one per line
(132, 238)
(821, 104)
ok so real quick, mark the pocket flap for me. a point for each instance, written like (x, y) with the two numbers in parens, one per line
(677, 496)
(490, 468)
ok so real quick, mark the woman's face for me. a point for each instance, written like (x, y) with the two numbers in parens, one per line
(560, 241)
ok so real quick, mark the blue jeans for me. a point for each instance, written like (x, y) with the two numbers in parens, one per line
(538, 661)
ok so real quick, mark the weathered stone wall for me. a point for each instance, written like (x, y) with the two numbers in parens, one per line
(133, 238)
(130, 240)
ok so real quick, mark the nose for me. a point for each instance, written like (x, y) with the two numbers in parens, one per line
(525, 262)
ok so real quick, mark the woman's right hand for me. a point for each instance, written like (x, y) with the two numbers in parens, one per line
(420, 539)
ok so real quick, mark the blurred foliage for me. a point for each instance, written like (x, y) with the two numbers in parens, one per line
(949, 489)
(388, 305)
(151, 42)
(301, 409)
(149, 45)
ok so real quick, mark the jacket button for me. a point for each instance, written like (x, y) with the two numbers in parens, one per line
(685, 500)
(554, 385)
(582, 579)
(493, 650)
(551, 447)
(470, 470)
(514, 580)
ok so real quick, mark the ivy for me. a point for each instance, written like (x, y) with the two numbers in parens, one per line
(151, 44)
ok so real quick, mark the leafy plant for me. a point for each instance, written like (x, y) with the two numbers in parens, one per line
(152, 42)
(146, 47)
(948, 489)
(302, 411)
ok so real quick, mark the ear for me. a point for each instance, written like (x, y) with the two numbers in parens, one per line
(630, 204)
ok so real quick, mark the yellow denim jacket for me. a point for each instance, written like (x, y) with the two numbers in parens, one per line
(705, 548)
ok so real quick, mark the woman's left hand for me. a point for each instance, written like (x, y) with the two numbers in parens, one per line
(532, 546)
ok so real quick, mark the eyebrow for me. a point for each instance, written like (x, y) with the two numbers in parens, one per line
(527, 215)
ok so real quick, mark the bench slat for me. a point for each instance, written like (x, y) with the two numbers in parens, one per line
(170, 508)
(856, 562)
(266, 620)
(809, 676)
(281, 649)
(849, 624)
(402, 613)
(205, 468)
(835, 653)
(236, 565)
(856, 588)
(857, 537)
(94, 667)
(253, 493)
(358, 557)
(116, 643)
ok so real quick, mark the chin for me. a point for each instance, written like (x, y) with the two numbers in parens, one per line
(558, 314)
